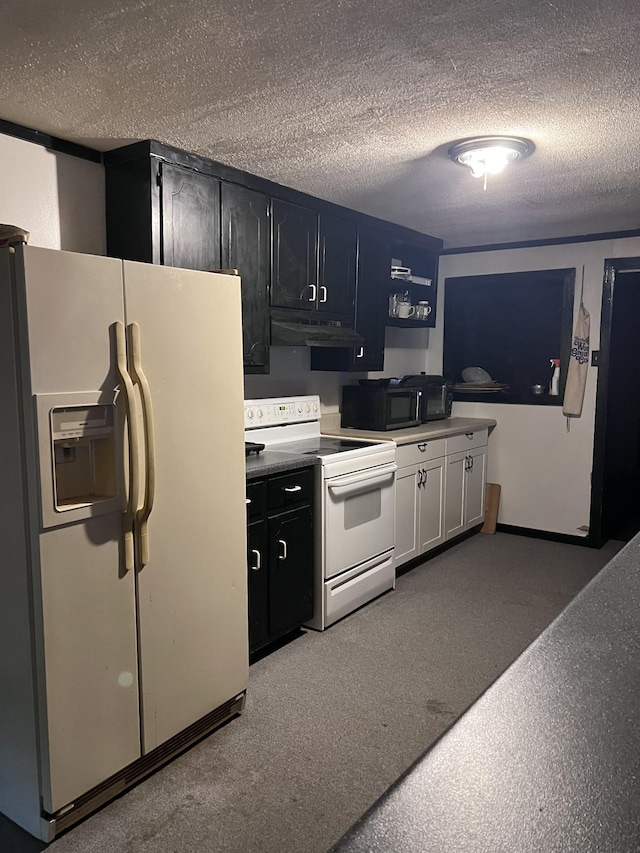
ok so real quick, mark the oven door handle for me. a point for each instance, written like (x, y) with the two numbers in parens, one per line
(362, 482)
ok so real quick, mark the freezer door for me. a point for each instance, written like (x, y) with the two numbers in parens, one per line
(192, 594)
(92, 720)
(72, 300)
(84, 603)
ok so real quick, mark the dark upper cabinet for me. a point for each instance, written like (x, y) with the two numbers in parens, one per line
(337, 242)
(246, 247)
(313, 261)
(294, 282)
(190, 218)
(374, 262)
(167, 206)
(423, 263)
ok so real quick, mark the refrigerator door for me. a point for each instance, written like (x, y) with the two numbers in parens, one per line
(86, 647)
(192, 594)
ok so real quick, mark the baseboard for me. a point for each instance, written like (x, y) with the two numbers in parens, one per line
(545, 534)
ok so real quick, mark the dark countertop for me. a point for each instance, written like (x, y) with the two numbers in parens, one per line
(269, 462)
(548, 759)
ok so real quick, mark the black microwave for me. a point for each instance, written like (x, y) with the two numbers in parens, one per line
(437, 395)
(378, 405)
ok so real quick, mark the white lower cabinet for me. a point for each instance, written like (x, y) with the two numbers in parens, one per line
(465, 479)
(419, 499)
(440, 489)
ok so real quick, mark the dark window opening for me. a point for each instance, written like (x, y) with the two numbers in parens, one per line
(511, 325)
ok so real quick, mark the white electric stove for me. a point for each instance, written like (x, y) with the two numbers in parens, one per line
(355, 502)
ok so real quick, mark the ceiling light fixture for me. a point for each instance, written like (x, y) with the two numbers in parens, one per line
(489, 155)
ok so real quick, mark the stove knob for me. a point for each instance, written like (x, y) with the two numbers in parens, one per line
(299, 408)
(306, 407)
(249, 413)
(260, 413)
(315, 407)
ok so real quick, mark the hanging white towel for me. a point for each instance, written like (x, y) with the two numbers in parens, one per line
(578, 366)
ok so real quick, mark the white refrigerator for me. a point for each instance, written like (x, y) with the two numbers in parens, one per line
(123, 600)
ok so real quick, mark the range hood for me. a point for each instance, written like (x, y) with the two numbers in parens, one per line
(305, 332)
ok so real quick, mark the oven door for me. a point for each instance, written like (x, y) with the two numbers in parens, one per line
(359, 517)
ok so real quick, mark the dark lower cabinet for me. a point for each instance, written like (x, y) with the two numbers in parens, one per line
(246, 246)
(280, 555)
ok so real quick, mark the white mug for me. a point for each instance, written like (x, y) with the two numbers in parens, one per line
(423, 310)
(405, 310)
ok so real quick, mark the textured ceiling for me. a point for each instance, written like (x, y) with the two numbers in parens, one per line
(355, 101)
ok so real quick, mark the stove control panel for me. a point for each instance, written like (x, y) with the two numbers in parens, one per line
(272, 411)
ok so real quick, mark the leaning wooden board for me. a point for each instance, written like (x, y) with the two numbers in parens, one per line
(491, 507)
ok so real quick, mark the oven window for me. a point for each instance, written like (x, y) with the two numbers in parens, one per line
(401, 408)
(362, 508)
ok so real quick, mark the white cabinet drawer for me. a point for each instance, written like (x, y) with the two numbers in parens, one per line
(421, 451)
(467, 440)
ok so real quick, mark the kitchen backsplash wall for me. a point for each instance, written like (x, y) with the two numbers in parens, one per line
(406, 351)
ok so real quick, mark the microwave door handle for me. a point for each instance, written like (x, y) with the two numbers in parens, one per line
(418, 396)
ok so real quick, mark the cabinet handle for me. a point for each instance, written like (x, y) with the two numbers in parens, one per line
(293, 488)
(258, 563)
(469, 435)
(323, 293)
(314, 293)
(422, 446)
(248, 501)
(360, 352)
(282, 556)
(471, 463)
(419, 477)
(424, 476)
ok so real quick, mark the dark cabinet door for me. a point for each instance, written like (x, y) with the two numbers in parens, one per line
(246, 247)
(374, 261)
(190, 219)
(336, 265)
(291, 569)
(258, 584)
(294, 281)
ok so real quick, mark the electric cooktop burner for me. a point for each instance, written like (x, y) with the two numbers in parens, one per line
(322, 445)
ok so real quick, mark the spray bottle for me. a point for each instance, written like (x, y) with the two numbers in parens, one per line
(554, 385)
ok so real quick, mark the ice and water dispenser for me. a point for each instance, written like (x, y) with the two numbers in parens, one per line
(79, 441)
(83, 455)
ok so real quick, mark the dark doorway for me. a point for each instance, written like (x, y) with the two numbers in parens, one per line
(617, 439)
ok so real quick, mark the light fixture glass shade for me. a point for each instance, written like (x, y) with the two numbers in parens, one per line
(489, 155)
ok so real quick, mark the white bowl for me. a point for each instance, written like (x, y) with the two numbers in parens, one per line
(476, 375)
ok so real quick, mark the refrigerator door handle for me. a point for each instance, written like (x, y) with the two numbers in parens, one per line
(129, 514)
(140, 379)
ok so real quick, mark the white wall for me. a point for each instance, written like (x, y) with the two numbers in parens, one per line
(544, 471)
(59, 199)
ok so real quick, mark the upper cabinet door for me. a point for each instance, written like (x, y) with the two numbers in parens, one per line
(246, 247)
(190, 219)
(336, 265)
(294, 282)
(374, 260)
